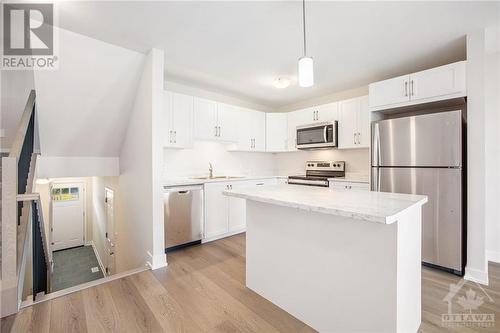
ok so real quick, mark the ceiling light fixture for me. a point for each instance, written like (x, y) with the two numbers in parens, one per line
(306, 64)
(281, 83)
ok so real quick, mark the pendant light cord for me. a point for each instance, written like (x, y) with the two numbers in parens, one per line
(304, 23)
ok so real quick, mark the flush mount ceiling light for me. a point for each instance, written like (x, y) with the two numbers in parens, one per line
(306, 65)
(281, 82)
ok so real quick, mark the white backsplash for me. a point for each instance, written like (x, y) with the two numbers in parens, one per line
(194, 161)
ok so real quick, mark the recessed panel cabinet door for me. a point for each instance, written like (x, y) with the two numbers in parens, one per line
(276, 132)
(228, 122)
(364, 132)
(259, 130)
(216, 210)
(440, 81)
(205, 119)
(182, 117)
(390, 92)
(348, 123)
(237, 209)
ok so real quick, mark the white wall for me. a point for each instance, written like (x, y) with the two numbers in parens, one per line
(14, 92)
(99, 218)
(477, 266)
(139, 197)
(84, 105)
(492, 142)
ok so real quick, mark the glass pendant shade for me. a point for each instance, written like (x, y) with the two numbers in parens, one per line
(306, 72)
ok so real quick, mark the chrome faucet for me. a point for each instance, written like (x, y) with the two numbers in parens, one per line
(210, 170)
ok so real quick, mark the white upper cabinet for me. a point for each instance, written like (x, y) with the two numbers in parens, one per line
(326, 112)
(227, 122)
(354, 123)
(214, 121)
(389, 93)
(431, 85)
(251, 131)
(178, 118)
(444, 81)
(276, 132)
(205, 119)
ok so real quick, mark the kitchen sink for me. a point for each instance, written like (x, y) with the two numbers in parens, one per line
(218, 177)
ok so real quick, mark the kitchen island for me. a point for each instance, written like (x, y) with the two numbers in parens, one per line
(339, 260)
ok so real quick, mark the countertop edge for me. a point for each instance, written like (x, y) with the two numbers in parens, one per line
(357, 216)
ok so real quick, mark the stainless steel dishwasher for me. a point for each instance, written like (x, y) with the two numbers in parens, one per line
(183, 215)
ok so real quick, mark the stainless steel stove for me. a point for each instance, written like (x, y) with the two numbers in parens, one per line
(318, 172)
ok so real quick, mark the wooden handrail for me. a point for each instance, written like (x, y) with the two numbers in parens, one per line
(17, 144)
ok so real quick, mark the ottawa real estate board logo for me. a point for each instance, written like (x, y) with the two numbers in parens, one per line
(28, 36)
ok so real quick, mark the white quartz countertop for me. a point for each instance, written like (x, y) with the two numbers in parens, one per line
(370, 206)
(179, 181)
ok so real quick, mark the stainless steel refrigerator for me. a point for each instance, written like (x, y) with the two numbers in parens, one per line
(423, 154)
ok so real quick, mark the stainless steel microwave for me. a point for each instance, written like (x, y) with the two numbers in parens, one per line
(316, 136)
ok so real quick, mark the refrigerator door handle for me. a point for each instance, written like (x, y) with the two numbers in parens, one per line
(376, 145)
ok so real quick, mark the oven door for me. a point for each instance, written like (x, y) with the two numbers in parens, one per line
(322, 135)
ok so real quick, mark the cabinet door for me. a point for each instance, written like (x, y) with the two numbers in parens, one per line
(168, 135)
(438, 82)
(276, 132)
(258, 133)
(245, 131)
(182, 115)
(216, 210)
(389, 92)
(363, 119)
(326, 112)
(348, 123)
(237, 209)
(228, 122)
(205, 119)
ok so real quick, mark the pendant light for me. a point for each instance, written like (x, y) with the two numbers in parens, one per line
(306, 65)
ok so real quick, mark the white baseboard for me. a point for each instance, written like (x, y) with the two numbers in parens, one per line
(91, 243)
(493, 256)
(476, 275)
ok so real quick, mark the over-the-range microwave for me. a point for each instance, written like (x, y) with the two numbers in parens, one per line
(317, 136)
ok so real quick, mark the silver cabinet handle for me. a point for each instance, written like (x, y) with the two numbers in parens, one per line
(215, 128)
(406, 88)
(359, 138)
(354, 137)
(175, 136)
(170, 136)
(412, 84)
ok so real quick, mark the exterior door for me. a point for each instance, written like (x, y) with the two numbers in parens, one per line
(441, 215)
(68, 215)
(109, 261)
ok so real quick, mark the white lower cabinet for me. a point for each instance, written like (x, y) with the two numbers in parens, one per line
(343, 185)
(225, 216)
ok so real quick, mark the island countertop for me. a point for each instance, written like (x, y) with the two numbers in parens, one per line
(380, 207)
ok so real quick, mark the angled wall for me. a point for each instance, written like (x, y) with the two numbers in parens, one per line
(140, 232)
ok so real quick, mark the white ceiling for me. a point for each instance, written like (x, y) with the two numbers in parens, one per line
(238, 48)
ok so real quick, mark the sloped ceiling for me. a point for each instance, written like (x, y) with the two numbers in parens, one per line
(84, 106)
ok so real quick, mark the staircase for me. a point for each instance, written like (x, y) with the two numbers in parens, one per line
(23, 246)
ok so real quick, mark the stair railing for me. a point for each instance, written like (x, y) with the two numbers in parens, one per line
(22, 218)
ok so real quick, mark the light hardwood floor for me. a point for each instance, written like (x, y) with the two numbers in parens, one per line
(203, 290)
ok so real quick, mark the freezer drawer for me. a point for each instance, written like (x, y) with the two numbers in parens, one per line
(431, 140)
(441, 215)
(183, 215)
